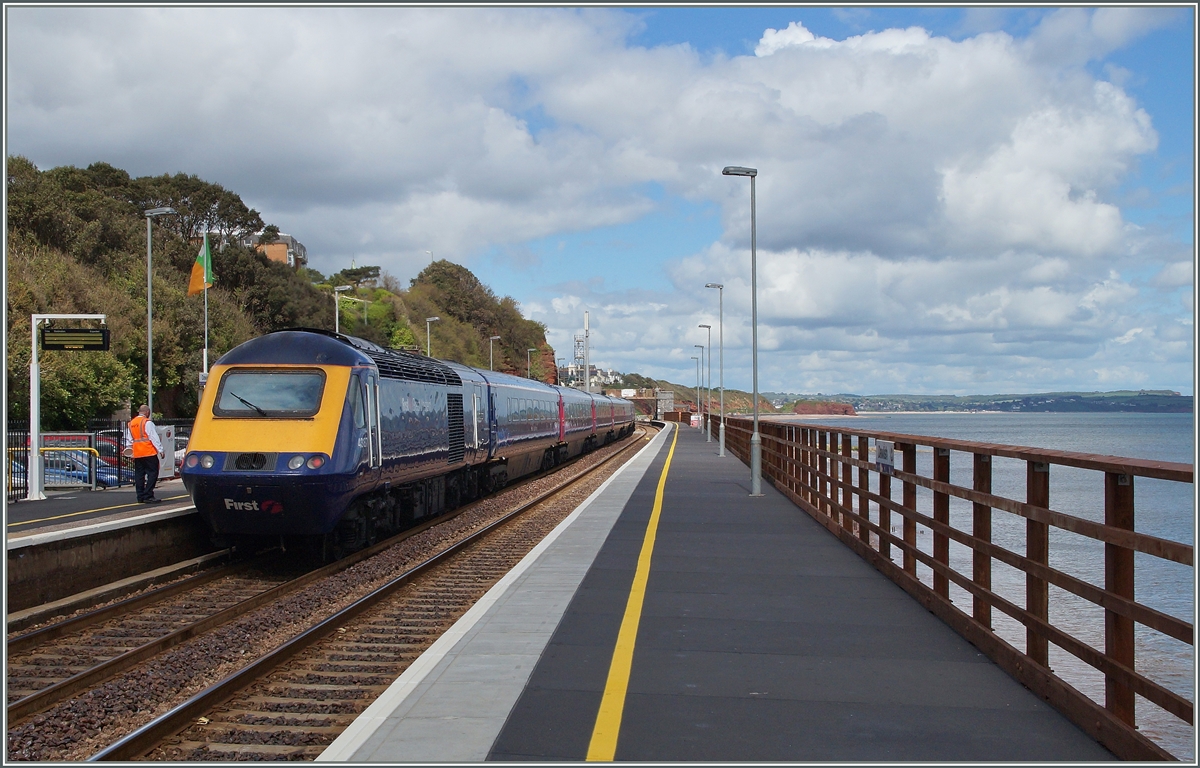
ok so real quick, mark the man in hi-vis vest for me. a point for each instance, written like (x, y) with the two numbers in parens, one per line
(142, 436)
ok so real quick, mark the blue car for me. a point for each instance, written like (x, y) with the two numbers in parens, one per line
(71, 470)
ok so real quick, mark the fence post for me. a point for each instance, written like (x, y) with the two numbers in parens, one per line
(885, 515)
(909, 452)
(941, 514)
(864, 482)
(794, 455)
(981, 528)
(1118, 579)
(823, 444)
(847, 483)
(809, 465)
(1037, 548)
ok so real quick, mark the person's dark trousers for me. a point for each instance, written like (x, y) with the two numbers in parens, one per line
(145, 475)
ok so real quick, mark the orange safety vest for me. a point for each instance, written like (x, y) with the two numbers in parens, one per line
(142, 447)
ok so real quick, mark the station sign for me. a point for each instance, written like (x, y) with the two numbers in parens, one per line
(885, 456)
(75, 339)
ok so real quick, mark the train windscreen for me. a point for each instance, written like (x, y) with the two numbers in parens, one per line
(257, 394)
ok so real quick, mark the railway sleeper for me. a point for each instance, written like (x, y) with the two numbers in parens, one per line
(248, 751)
(294, 720)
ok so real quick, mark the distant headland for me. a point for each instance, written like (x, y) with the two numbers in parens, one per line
(1121, 401)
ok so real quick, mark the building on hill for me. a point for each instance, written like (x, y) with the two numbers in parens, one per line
(572, 376)
(285, 250)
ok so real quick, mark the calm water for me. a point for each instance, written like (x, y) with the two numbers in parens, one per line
(1163, 509)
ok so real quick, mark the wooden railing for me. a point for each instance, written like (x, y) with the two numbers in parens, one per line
(814, 466)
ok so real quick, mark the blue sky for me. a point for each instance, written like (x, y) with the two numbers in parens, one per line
(950, 200)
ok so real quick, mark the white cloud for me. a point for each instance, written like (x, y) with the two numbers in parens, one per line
(921, 201)
(1176, 275)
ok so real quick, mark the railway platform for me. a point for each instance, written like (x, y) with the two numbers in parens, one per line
(672, 617)
(64, 510)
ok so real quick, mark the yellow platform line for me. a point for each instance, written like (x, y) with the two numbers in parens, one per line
(89, 511)
(603, 746)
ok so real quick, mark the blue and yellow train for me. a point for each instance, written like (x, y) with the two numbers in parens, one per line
(331, 440)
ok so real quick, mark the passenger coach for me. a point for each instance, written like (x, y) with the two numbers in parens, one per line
(310, 435)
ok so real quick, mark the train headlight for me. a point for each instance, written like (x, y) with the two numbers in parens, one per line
(207, 461)
(316, 462)
(193, 460)
(296, 462)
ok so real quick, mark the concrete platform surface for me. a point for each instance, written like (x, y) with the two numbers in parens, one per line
(762, 638)
(64, 510)
(453, 700)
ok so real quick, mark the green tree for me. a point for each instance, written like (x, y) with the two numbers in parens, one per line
(270, 234)
(356, 276)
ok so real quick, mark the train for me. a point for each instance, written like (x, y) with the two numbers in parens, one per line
(317, 438)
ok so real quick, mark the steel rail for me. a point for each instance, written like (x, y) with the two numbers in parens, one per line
(144, 739)
(95, 616)
(52, 694)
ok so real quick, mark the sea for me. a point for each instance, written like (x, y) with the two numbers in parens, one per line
(1162, 508)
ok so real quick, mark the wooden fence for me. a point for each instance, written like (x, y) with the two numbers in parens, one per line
(827, 472)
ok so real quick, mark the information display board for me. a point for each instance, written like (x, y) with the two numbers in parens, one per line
(75, 339)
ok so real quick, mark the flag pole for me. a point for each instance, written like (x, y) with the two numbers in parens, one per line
(207, 267)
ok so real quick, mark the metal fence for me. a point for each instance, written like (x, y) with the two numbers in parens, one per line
(16, 483)
(1048, 595)
(89, 458)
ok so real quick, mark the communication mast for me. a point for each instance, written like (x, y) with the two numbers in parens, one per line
(577, 361)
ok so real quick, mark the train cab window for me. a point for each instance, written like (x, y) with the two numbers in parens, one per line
(281, 394)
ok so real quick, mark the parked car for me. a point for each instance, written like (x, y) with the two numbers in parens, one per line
(68, 469)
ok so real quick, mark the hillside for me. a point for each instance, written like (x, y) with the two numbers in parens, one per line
(77, 245)
(736, 401)
(1120, 401)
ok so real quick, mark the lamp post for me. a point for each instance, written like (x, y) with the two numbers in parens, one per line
(529, 362)
(150, 215)
(430, 256)
(755, 438)
(337, 306)
(697, 359)
(491, 358)
(428, 338)
(587, 363)
(698, 391)
(721, 359)
(708, 387)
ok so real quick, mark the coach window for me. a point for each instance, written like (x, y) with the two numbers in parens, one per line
(356, 402)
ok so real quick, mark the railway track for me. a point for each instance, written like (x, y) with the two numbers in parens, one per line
(293, 702)
(275, 719)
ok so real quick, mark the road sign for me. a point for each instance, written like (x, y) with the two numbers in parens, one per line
(75, 339)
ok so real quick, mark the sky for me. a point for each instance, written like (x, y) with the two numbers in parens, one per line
(948, 200)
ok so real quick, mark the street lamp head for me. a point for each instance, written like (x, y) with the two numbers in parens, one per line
(343, 288)
(161, 212)
(704, 326)
(532, 349)
(494, 338)
(737, 170)
(713, 285)
(432, 319)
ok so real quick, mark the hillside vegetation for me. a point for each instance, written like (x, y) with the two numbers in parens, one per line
(77, 245)
(1120, 401)
(736, 401)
